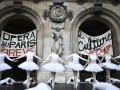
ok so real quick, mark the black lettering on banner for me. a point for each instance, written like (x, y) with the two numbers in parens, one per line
(18, 45)
(25, 36)
(32, 36)
(23, 44)
(19, 38)
(6, 36)
(12, 37)
(12, 44)
(32, 43)
(93, 43)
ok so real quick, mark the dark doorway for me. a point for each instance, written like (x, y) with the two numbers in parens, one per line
(17, 25)
(93, 27)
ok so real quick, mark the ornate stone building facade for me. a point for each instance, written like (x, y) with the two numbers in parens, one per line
(58, 22)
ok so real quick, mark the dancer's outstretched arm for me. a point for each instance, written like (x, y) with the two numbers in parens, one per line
(117, 57)
(68, 56)
(38, 57)
(82, 59)
(114, 60)
(61, 60)
(9, 58)
(46, 60)
(102, 58)
(21, 56)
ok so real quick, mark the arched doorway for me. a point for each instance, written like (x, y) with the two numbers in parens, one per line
(94, 28)
(27, 20)
(19, 25)
(94, 25)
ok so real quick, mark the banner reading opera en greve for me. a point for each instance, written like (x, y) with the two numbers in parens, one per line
(16, 45)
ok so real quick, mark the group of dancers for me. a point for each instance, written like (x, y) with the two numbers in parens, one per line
(54, 66)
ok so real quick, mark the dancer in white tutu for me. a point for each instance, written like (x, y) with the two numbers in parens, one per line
(93, 66)
(75, 65)
(104, 86)
(4, 66)
(40, 86)
(54, 66)
(117, 57)
(108, 65)
(29, 65)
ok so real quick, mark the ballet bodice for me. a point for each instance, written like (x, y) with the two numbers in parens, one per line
(93, 58)
(107, 57)
(29, 56)
(2, 57)
(75, 58)
(54, 57)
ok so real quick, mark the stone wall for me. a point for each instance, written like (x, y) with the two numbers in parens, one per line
(44, 28)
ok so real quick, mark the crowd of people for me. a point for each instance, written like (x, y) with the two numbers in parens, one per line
(54, 66)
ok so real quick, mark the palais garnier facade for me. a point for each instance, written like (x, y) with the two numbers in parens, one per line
(38, 25)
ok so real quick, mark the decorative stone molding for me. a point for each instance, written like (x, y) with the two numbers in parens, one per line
(17, 5)
(58, 12)
(97, 7)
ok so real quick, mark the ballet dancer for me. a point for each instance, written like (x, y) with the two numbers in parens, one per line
(40, 86)
(4, 66)
(107, 64)
(29, 65)
(93, 66)
(54, 66)
(118, 67)
(75, 65)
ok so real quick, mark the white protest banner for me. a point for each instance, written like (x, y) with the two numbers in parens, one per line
(96, 43)
(16, 45)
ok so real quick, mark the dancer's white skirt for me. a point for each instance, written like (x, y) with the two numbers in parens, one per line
(4, 66)
(28, 66)
(75, 66)
(54, 67)
(118, 68)
(93, 67)
(110, 65)
(40, 86)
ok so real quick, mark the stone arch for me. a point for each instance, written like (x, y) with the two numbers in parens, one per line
(6, 14)
(107, 17)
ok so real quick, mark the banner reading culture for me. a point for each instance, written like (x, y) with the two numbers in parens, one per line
(16, 45)
(96, 43)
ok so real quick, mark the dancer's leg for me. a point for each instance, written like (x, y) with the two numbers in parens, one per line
(75, 79)
(94, 77)
(0, 75)
(28, 78)
(53, 79)
(108, 75)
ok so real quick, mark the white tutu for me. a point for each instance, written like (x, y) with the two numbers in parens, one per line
(118, 68)
(93, 67)
(104, 86)
(29, 66)
(76, 67)
(54, 67)
(40, 86)
(110, 65)
(4, 66)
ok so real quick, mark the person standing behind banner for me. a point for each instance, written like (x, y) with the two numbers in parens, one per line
(93, 66)
(75, 65)
(107, 64)
(29, 65)
(54, 66)
(4, 66)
